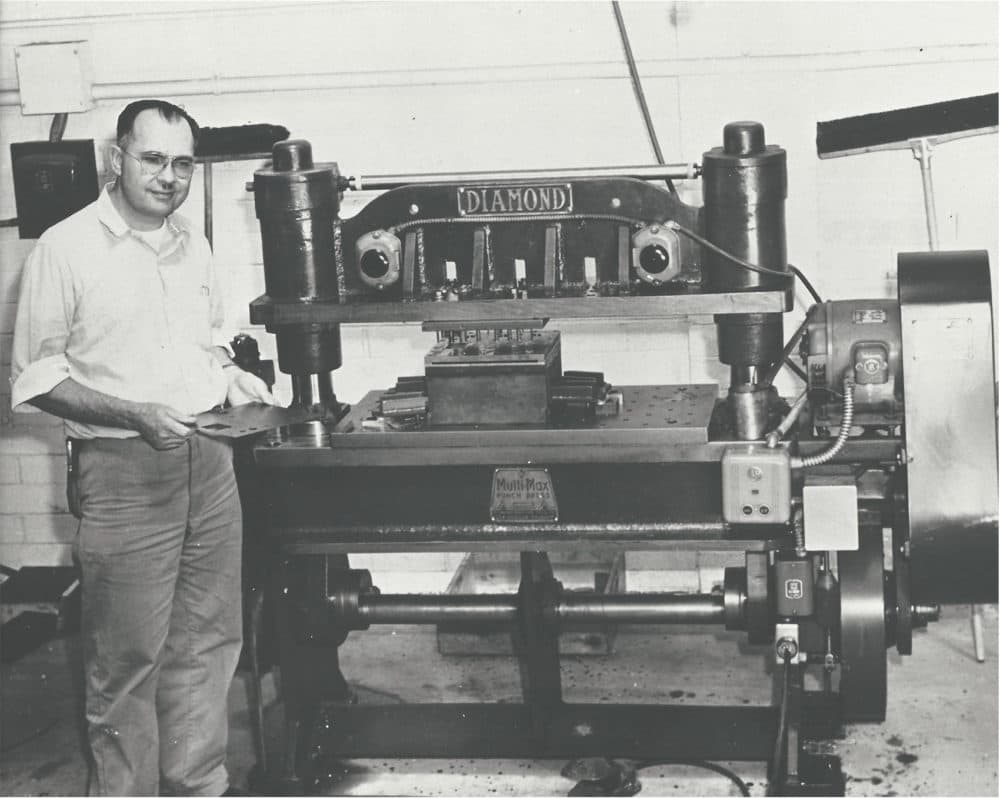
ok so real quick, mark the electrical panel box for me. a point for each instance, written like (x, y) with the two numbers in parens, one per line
(756, 485)
(51, 181)
(55, 77)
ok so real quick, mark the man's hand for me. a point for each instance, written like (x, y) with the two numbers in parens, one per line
(163, 427)
(245, 387)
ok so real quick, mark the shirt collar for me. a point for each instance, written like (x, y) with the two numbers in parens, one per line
(112, 220)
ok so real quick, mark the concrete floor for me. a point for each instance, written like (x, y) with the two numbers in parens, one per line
(939, 739)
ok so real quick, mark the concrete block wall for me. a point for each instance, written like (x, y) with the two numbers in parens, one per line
(416, 87)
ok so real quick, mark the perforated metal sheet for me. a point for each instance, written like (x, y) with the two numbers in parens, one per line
(249, 420)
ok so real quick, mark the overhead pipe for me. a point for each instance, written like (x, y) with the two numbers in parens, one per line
(312, 81)
(656, 68)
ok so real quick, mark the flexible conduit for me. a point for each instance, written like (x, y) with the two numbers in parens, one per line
(846, 419)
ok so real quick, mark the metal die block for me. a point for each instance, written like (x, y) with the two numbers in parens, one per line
(492, 382)
(830, 513)
(756, 485)
(601, 572)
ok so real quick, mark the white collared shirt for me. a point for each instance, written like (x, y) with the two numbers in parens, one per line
(99, 305)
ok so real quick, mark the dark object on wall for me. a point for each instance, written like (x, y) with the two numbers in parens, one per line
(51, 181)
(894, 129)
(239, 139)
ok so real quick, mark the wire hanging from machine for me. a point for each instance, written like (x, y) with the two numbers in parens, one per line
(640, 95)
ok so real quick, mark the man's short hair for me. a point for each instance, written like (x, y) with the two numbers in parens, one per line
(169, 111)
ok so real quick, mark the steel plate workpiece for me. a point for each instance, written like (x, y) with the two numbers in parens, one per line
(251, 419)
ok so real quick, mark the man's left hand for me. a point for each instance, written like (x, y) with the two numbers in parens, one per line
(245, 387)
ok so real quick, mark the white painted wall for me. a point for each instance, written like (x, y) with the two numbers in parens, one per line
(395, 87)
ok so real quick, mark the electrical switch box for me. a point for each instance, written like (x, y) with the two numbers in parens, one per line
(756, 485)
(793, 582)
(51, 181)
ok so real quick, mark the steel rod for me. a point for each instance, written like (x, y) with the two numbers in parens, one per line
(650, 172)
(207, 174)
(922, 151)
(642, 609)
(436, 608)
(648, 608)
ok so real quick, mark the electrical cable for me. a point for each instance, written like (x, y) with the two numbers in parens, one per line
(779, 742)
(481, 219)
(640, 95)
(58, 127)
(793, 271)
(805, 282)
(706, 764)
(763, 270)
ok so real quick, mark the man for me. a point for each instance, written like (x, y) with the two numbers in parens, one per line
(118, 331)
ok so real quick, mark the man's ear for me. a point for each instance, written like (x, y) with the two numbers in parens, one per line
(115, 159)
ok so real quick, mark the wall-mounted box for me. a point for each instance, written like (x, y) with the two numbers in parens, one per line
(51, 181)
(54, 77)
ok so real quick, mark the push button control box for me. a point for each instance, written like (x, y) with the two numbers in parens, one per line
(756, 485)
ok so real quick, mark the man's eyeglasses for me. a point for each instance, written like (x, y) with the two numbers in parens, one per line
(153, 163)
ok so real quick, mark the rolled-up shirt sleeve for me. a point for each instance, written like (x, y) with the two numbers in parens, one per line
(41, 327)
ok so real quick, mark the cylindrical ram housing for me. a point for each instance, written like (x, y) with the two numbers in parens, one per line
(297, 203)
(745, 186)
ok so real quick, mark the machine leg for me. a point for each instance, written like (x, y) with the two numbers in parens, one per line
(310, 667)
(536, 641)
(253, 627)
(793, 770)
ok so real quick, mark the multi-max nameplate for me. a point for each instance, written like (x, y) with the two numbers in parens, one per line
(543, 198)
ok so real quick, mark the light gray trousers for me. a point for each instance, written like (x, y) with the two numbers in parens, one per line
(159, 547)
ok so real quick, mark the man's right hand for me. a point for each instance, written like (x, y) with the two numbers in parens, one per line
(163, 427)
